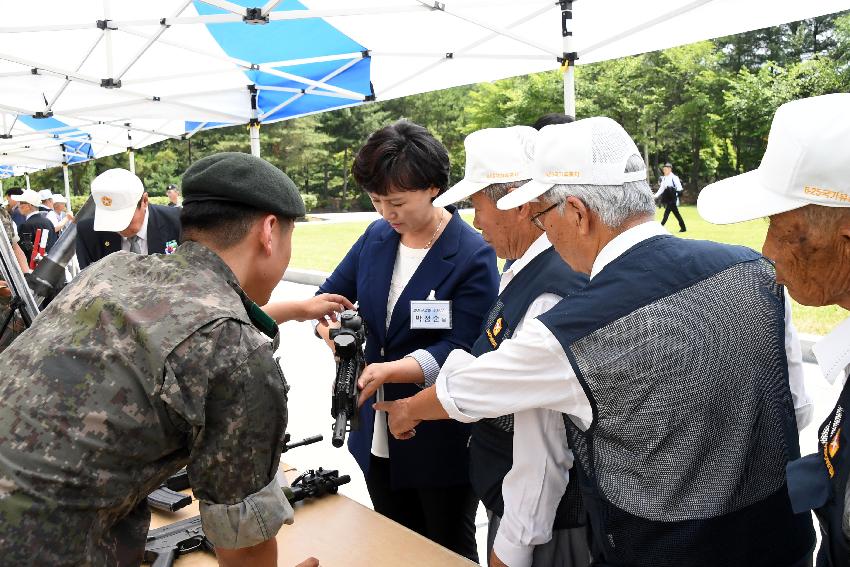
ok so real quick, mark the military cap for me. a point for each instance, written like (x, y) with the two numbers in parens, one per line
(242, 178)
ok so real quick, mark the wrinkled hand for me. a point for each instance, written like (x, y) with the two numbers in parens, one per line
(402, 426)
(495, 561)
(372, 378)
(325, 305)
(309, 562)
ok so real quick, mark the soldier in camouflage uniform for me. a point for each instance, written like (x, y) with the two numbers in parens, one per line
(146, 364)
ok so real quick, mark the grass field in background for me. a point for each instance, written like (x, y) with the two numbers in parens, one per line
(319, 246)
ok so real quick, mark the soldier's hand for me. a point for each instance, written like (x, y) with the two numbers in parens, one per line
(309, 562)
(324, 305)
(4, 289)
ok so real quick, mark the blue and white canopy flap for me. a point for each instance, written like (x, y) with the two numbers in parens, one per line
(172, 67)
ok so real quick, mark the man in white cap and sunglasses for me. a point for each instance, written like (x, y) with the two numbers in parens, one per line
(671, 368)
(124, 220)
(803, 187)
(520, 507)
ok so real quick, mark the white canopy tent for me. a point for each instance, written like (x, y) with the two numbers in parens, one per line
(170, 68)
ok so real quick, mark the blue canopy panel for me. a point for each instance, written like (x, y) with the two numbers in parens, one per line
(6, 171)
(77, 143)
(287, 40)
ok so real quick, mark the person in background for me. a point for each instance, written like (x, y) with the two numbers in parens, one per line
(59, 216)
(46, 196)
(12, 206)
(173, 196)
(124, 220)
(669, 190)
(28, 204)
(415, 253)
(808, 239)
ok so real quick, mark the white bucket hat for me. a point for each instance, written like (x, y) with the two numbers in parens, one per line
(116, 192)
(807, 162)
(593, 151)
(57, 198)
(493, 155)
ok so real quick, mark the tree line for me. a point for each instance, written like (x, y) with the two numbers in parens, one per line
(706, 107)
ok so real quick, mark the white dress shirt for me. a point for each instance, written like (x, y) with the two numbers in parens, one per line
(143, 237)
(833, 354)
(671, 180)
(532, 484)
(532, 371)
(407, 261)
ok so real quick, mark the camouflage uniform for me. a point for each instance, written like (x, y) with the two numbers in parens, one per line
(9, 334)
(8, 225)
(142, 365)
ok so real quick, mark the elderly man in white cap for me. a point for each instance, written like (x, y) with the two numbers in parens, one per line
(32, 232)
(803, 187)
(522, 506)
(59, 216)
(671, 367)
(124, 220)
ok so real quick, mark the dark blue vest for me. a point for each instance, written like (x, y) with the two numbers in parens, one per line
(679, 347)
(819, 482)
(491, 446)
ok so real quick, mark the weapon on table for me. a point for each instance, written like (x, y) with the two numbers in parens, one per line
(315, 483)
(165, 544)
(349, 340)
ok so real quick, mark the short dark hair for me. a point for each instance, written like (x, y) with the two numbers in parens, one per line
(403, 156)
(552, 118)
(221, 223)
(15, 191)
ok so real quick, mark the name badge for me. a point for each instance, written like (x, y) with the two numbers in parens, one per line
(430, 313)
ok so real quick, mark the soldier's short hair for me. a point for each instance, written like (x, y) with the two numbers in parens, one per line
(222, 224)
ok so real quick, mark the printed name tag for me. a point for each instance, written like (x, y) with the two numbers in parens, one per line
(430, 314)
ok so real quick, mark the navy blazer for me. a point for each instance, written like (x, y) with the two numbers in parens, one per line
(461, 267)
(92, 245)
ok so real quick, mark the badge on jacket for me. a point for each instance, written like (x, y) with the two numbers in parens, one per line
(171, 247)
(430, 313)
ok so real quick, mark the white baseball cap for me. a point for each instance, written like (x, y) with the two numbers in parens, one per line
(593, 151)
(807, 162)
(30, 197)
(493, 155)
(57, 198)
(116, 192)
(45, 194)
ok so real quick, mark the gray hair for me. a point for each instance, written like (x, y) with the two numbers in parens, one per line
(496, 191)
(613, 204)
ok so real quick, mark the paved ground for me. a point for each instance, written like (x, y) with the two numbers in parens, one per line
(309, 369)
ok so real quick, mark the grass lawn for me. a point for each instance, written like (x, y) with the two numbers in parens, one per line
(319, 246)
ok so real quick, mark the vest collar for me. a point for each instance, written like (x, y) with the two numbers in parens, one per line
(623, 242)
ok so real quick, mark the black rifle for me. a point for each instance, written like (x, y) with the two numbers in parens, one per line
(315, 483)
(165, 544)
(349, 340)
(167, 497)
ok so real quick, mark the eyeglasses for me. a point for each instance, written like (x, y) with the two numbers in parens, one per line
(535, 219)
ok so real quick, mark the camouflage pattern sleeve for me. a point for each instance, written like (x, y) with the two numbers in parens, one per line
(228, 394)
(8, 225)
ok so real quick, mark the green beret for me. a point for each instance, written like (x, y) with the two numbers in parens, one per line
(242, 178)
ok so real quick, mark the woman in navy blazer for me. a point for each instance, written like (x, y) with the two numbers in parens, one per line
(424, 483)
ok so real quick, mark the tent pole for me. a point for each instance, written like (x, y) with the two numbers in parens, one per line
(568, 59)
(27, 177)
(67, 184)
(254, 130)
(132, 156)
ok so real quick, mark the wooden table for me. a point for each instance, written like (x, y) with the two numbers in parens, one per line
(339, 532)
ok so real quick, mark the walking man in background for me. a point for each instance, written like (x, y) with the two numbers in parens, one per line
(669, 189)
